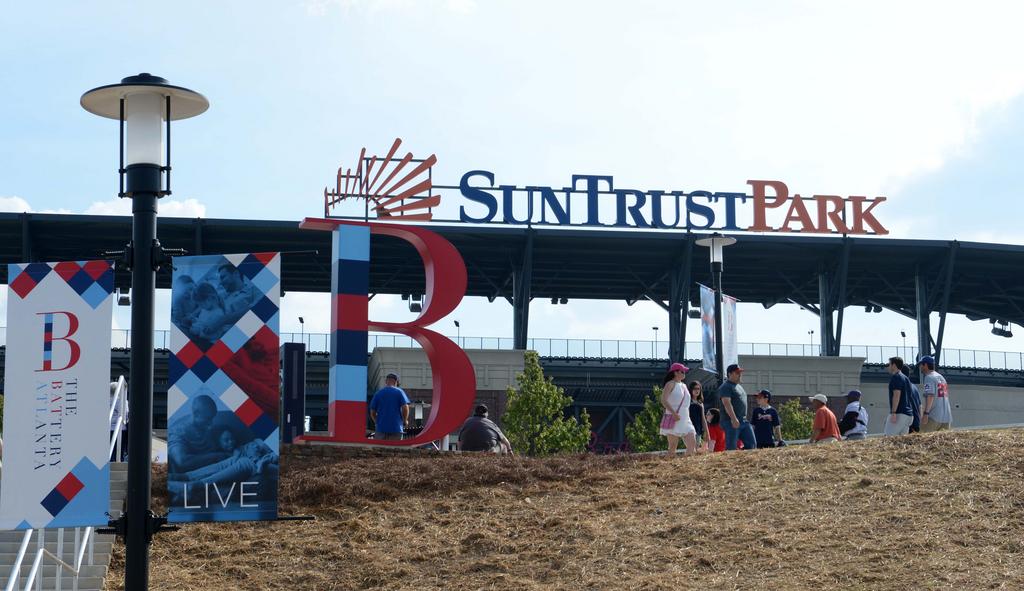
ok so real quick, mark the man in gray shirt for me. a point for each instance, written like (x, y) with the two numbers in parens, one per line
(733, 401)
(936, 414)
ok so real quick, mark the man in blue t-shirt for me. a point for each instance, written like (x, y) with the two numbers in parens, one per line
(900, 414)
(767, 426)
(389, 410)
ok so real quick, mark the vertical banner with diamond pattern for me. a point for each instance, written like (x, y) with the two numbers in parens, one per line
(223, 388)
(56, 470)
(730, 353)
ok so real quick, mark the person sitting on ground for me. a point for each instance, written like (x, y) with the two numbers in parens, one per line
(824, 429)
(854, 425)
(767, 426)
(480, 433)
(716, 435)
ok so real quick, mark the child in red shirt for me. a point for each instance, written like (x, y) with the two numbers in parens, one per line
(716, 436)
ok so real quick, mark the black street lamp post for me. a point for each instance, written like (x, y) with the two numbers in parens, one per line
(716, 242)
(142, 104)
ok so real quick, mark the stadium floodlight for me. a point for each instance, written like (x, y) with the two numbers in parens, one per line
(142, 104)
(415, 303)
(1001, 328)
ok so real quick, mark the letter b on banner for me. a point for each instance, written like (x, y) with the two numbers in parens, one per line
(75, 351)
(451, 371)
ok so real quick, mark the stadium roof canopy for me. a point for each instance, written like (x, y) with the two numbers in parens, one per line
(820, 273)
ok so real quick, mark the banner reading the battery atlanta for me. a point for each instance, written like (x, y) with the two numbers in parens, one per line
(707, 325)
(56, 470)
(223, 377)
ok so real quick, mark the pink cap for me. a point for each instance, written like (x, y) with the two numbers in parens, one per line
(678, 367)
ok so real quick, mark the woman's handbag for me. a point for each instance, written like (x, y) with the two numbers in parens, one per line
(668, 420)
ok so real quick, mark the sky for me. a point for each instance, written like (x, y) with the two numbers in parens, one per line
(921, 102)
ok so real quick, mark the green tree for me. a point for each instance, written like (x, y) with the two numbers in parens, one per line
(643, 433)
(535, 421)
(796, 420)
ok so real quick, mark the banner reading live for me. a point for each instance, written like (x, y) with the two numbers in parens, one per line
(223, 377)
(56, 469)
(707, 323)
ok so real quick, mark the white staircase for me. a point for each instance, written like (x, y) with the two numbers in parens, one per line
(92, 571)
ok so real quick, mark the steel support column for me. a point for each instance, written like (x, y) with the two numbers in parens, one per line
(832, 300)
(947, 290)
(197, 236)
(679, 287)
(924, 328)
(825, 317)
(26, 238)
(522, 277)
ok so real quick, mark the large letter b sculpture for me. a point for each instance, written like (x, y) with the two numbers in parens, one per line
(451, 371)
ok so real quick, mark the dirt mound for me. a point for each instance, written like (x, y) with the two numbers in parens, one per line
(919, 512)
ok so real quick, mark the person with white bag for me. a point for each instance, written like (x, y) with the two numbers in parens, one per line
(675, 421)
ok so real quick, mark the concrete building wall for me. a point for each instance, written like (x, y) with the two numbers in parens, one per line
(973, 405)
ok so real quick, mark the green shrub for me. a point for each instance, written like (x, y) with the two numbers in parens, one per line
(535, 421)
(642, 433)
(796, 420)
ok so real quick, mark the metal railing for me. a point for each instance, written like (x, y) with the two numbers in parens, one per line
(639, 349)
(634, 349)
(85, 538)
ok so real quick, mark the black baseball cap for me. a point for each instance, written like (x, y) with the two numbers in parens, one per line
(732, 368)
(766, 393)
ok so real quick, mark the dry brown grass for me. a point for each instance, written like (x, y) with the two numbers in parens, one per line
(934, 511)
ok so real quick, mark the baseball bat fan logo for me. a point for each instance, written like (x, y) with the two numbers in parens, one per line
(392, 189)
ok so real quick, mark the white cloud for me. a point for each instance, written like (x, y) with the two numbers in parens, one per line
(14, 204)
(462, 6)
(324, 7)
(188, 208)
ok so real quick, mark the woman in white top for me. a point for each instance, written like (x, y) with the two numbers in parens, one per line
(675, 400)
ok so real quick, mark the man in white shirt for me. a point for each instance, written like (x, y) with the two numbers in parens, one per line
(854, 425)
(936, 414)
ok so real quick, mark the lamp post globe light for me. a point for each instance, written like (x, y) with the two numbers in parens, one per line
(716, 243)
(144, 105)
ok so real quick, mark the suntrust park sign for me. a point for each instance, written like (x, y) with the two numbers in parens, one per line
(401, 188)
(593, 200)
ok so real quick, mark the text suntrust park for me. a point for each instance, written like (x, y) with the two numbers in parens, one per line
(593, 200)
